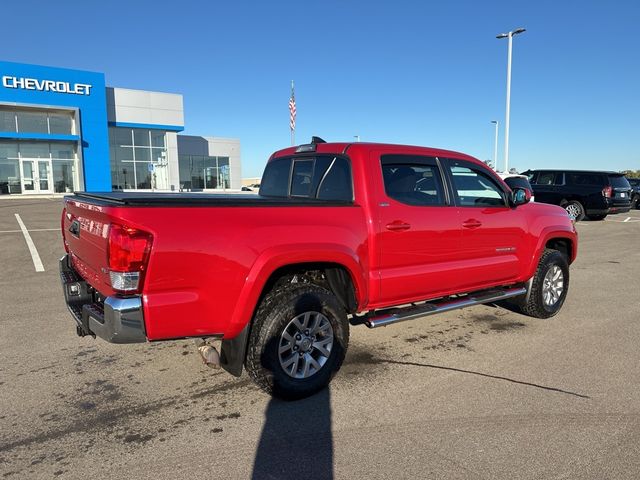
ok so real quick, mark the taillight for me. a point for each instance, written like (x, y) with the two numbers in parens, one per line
(64, 235)
(607, 191)
(128, 255)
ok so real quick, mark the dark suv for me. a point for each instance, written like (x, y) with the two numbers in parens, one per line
(582, 193)
(635, 195)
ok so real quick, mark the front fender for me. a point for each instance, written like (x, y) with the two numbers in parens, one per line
(548, 234)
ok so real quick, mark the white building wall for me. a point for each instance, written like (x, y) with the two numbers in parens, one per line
(125, 105)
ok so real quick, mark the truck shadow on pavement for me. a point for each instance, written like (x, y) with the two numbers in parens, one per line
(497, 377)
(296, 440)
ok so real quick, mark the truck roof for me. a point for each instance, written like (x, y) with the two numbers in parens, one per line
(346, 147)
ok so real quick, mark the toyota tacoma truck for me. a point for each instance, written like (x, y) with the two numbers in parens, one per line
(340, 234)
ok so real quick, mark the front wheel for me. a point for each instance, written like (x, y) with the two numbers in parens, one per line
(298, 341)
(635, 202)
(549, 286)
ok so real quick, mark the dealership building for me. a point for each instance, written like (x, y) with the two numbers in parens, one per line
(64, 130)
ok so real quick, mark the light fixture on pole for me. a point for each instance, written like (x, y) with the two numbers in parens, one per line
(495, 147)
(508, 35)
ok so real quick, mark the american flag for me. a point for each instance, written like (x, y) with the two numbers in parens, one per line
(292, 110)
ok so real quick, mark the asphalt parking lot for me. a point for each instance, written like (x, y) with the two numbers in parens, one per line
(481, 393)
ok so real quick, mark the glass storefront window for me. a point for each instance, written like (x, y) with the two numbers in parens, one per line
(8, 149)
(157, 138)
(60, 123)
(63, 150)
(63, 173)
(141, 137)
(9, 176)
(32, 122)
(143, 176)
(7, 121)
(131, 151)
(37, 167)
(198, 172)
(34, 150)
(142, 154)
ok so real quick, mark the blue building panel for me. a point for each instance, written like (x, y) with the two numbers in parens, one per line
(84, 91)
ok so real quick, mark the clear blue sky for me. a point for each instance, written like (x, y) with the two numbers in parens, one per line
(425, 73)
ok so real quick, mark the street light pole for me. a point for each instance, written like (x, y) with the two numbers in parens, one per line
(509, 36)
(495, 147)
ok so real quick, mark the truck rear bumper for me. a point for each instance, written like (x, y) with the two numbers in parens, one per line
(115, 319)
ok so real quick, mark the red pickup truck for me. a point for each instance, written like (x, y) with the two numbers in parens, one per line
(340, 234)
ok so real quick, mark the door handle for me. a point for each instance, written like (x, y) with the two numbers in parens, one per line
(472, 223)
(398, 226)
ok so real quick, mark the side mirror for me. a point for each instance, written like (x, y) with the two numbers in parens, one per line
(520, 196)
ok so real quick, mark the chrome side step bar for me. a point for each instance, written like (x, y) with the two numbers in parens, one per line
(381, 319)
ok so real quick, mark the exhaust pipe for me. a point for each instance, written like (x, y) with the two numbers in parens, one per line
(208, 353)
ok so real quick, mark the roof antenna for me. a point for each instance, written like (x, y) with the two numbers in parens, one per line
(315, 140)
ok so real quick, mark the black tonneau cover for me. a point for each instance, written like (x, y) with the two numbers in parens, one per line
(166, 199)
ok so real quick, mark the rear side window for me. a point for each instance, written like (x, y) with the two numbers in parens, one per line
(413, 180)
(475, 188)
(323, 177)
(585, 178)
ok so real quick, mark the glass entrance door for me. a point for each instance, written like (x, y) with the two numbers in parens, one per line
(36, 176)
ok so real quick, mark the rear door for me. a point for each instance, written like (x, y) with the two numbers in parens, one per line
(418, 229)
(493, 233)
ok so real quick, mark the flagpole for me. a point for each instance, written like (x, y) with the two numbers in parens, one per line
(292, 114)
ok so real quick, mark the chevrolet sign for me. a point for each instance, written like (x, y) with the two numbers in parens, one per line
(46, 85)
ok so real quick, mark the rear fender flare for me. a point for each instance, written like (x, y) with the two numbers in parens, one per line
(275, 258)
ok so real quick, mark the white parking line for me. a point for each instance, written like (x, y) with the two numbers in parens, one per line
(32, 248)
(626, 219)
(32, 230)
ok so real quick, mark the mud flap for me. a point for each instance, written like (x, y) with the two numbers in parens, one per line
(233, 352)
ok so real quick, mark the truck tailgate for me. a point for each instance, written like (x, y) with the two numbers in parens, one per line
(86, 232)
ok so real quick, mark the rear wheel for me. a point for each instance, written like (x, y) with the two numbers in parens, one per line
(575, 210)
(298, 341)
(549, 286)
(635, 202)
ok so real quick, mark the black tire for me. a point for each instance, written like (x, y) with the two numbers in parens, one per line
(635, 202)
(277, 312)
(535, 305)
(575, 210)
(596, 217)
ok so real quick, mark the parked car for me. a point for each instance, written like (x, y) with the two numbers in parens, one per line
(383, 233)
(582, 193)
(635, 195)
(515, 180)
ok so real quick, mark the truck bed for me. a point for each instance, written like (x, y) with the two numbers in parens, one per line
(182, 199)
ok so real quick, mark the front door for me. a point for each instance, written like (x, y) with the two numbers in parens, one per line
(36, 176)
(493, 233)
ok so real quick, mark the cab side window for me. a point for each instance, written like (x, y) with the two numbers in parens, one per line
(413, 180)
(475, 188)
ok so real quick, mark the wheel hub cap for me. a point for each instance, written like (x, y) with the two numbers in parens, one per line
(305, 345)
(552, 286)
(573, 211)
